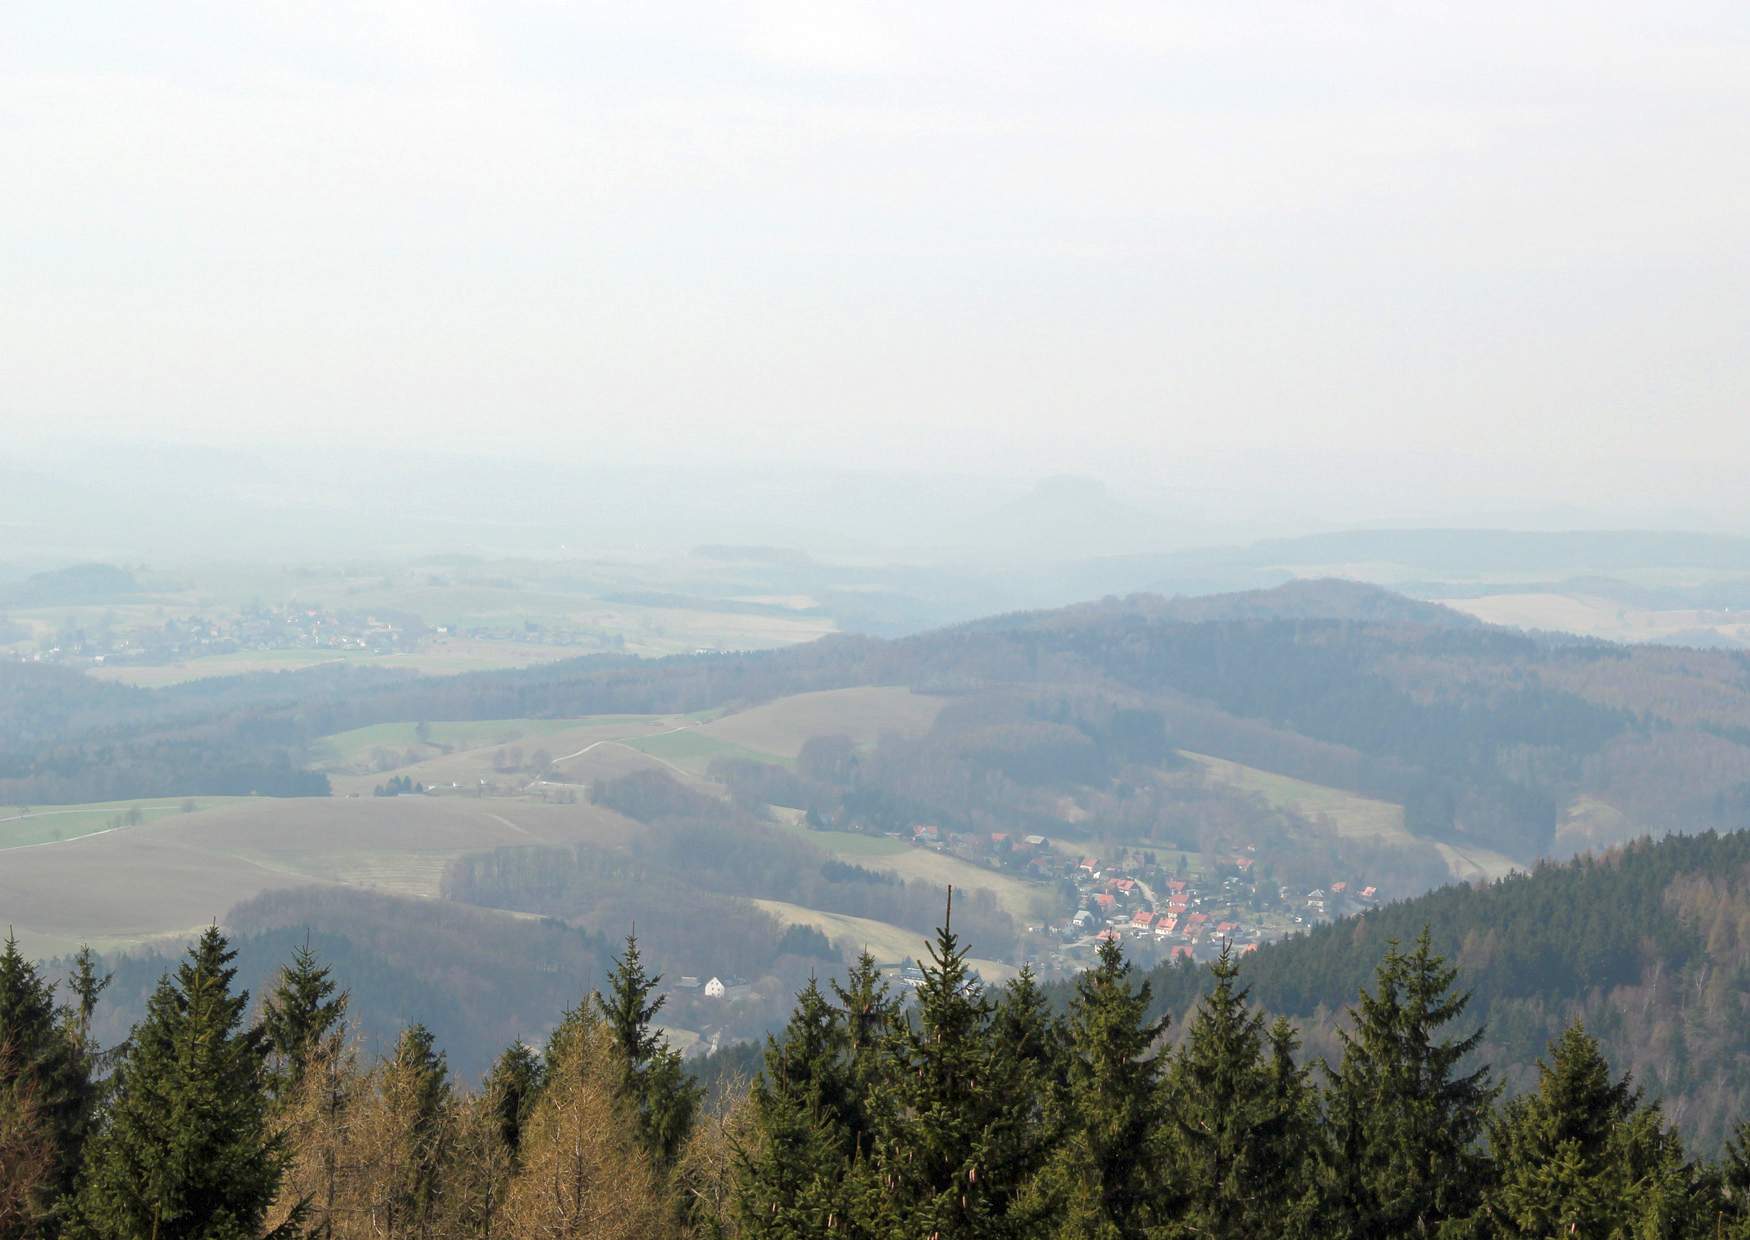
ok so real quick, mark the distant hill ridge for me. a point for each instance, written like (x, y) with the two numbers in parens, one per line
(1524, 744)
(81, 583)
(1317, 598)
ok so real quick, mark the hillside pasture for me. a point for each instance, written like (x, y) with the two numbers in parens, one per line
(694, 749)
(612, 760)
(888, 943)
(1349, 815)
(782, 727)
(495, 761)
(1025, 901)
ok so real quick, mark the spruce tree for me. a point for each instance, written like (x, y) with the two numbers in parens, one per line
(1585, 1155)
(304, 1010)
(1240, 1116)
(933, 1152)
(512, 1087)
(187, 1150)
(870, 1014)
(44, 1072)
(1664, 1192)
(1028, 1062)
(1290, 1144)
(1109, 1169)
(87, 988)
(1555, 1149)
(1403, 1158)
(663, 1096)
(792, 1182)
(1735, 1182)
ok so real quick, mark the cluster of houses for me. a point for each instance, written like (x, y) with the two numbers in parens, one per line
(290, 627)
(1194, 917)
(1030, 856)
(1135, 897)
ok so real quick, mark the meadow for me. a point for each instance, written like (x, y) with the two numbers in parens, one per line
(22, 826)
(1351, 816)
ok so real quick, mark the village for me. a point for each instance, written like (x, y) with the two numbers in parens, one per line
(1162, 904)
(100, 643)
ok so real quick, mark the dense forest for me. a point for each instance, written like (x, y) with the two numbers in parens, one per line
(1484, 735)
(1649, 945)
(965, 1112)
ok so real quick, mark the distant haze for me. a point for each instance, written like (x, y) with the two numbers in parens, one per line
(1258, 267)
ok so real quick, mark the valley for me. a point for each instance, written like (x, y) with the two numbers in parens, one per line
(1177, 774)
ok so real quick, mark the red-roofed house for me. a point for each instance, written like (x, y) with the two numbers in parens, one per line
(1124, 886)
(1367, 893)
(1248, 949)
(1175, 885)
(1105, 935)
(1245, 863)
(1339, 888)
(1143, 921)
(1105, 902)
(1227, 928)
(1089, 864)
(1166, 924)
(1180, 950)
(1179, 905)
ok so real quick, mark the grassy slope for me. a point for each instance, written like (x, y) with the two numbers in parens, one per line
(693, 751)
(1022, 900)
(1351, 816)
(888, 943)
(863, 714)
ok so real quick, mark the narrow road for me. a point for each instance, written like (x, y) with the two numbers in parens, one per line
(617, 740)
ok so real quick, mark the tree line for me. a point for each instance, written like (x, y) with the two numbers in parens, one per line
(969, 1112)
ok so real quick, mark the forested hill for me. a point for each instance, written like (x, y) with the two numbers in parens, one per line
(1648, 944)
(1525, 744)
(1326, 598)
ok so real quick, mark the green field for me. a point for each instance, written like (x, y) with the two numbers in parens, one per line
(694, 752)
(1351, 815)
(848, 844)
(21, 826)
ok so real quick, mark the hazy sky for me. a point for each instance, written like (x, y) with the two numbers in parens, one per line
(1496, 251)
